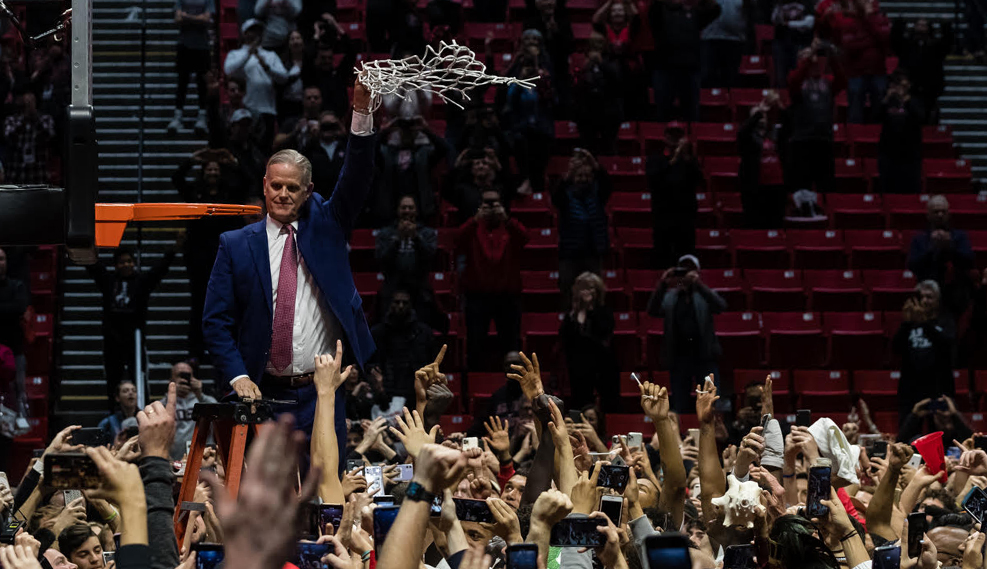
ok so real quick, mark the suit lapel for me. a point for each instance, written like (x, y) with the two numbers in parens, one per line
(257, 238)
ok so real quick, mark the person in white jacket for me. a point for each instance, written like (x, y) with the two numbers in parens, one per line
(261, 69)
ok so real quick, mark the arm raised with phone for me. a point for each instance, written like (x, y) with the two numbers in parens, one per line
(878, 515)
(325, 450)
(654, 402)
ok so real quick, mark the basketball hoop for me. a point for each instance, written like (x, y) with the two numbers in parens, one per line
(452, 68)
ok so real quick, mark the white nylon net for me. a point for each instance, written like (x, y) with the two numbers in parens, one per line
(453, 68)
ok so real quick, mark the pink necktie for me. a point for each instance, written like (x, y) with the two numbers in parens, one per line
(284, 310)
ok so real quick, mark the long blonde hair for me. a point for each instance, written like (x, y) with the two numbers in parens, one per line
(589, 280)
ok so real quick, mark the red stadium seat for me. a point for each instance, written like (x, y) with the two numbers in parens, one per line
(617, 296)
(729, 284)
(628, 139)
(856, 339)
(947, 175)
(713, 248)
(542, 251)
(621, 424)
(442, 286)
(541, 333)
(739, 334)
(483, 384)
(628, 387)
(907, 211)
(763, 36)
(715, 139)
(731, 209)
(637, 247)
(368, 284)
(878, 388)
(781, 387)
(979, 381)
(706, 210)
(851, 176)
(863, 139)
(856, 211)
(746, 99)
(362, 250)
(817, 248)
(714, 105)
(455, 423)
(835, 290)
(776, 289)
(968, 210)
(653, 135)
(841, 146)
(626, 342)
(889, 289)
(937, 141)
(534, 211)
(721, 173)
(504, 35)
(36, 386)
(566, 138)
(631, 209)
(794, 339)
(978, 242)
(822, 390)
(653, 332)
(540, 291)
(754, 71)
(627, 172)
(875, 249)
(641, 284)
(757, 248)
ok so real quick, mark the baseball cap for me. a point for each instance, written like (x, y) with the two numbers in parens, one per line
(241, 114)
(691, 259)
(251, 23)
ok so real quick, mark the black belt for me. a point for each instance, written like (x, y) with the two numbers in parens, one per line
(293, 381)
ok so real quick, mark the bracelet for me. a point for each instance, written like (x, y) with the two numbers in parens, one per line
(113, 517)
(850, 535)
(792, 475)
(366, 555)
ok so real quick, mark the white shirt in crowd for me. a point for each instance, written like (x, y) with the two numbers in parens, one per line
(260, 97)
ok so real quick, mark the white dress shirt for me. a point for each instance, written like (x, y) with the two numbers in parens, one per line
(316, 328)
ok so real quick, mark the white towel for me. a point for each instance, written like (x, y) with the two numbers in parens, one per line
(833, 445)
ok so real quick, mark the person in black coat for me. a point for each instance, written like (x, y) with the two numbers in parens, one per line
(326, 153)
(922, 54)
(404, 345)
(586, 334)
(899, 152)
(676, 26)
(674, 176)
(761, 143)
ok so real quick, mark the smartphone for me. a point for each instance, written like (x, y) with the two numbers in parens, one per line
(819, 489)
(522, 556)
(71, 470)
(879, 450)
(436, 509)
(694, 433)
(91, 437)
(384, 500)
(9, 529)
(634, 440)
(915, 461)
(669, 550)
(954, 452)
(917, 526)
(208, 555)
(975, 503)
(612, 507)
(405, 472)
(69, 495)
(308, 554)
(765, 419)
(384, 517)
(803, 418)
(980, 442)
(473, 511)
(116, 541)
(470, 442)
(576, 415)
(739, 557)
(887, 557)
(108, 556)
(616, 477)
(375, 478)
(578, 532)
(867, 441)
(353, 464)
(330, 514)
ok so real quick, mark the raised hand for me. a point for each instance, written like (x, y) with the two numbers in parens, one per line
(610, 554)
(550, 507)
(156, 425)
(654, 401)
(751, 449)
(898, 456)
(586, 494)
(327, 376)
(973, 462)
(430, 374)
(63, 441)
(506, 523)
(767, 397)
(560, 435)
(412, 433)
(130, 451)
(529, 376)
(705, 397)
(438, 467)
(18, 557)
(121, 481)
(354, 482)
(498, 438)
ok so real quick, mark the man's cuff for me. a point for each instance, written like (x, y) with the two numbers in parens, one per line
(361, 125)
(238, 378)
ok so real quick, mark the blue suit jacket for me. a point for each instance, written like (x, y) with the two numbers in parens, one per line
(238, 317)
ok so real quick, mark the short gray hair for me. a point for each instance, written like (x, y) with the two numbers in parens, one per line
(928, 284)
(295, 158)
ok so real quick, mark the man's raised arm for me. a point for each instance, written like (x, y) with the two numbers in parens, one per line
(355, 178)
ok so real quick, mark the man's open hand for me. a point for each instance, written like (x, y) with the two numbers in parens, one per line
(654, 401)
(327, 376)
(412, 432)
(705, 397)
(529, 376)
(157, 426)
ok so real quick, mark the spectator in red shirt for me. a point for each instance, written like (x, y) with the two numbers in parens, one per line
(863, 33)
(489, 246)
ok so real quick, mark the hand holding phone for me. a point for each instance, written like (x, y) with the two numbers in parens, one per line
(522, 556)
(613, 476)
(917, 524)
(820, 487)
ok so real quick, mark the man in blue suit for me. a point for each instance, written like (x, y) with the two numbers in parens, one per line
(281, 291)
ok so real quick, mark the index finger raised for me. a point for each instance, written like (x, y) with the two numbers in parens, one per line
(442, 354)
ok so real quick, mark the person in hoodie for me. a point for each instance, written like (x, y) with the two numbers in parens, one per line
(404, 345)
(723, 44)
(862, 32)
(813, 87)
(676, 26)
(899, 152)
(188, 392)
(922, 54)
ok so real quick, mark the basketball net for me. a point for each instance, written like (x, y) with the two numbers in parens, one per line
(451, 69)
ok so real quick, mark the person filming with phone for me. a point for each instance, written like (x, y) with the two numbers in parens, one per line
(188, 391)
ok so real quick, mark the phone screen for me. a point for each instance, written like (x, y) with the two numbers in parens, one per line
(384, 517)
(765, 419)
(309, 555)
(887, 557)
(613, 476)
(208, 555)
(71, 470)
(90, 437)
(375, 478)
(473, 511)
(819, 489)
(880, 449)
(522, 556)
(667, 551)
(803, 418)
(384, 500)
(578, 532)
(330, 514)
(916, 530)
(436, 509)
(975, 503)
(739, 557)
(612, 506)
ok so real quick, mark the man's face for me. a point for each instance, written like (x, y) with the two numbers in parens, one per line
(125, 265)
(618, 14)
(210, 173)
(240, 130)
(938, 212)
(295, 41)
(400, 305)
(491, 200)
(234, 93)
(928, 298)
(3, 263)
(312, 102)
(513, 490)
(480, 169)
(330, 128)
(407, 209)
(949, 542)
(252, 35)
(512, 358)
(284, 193)
(58, 561)
(127, 394)
(324, 59)
(181, 374)
(476, 534)
(29, 104)
(89, 555)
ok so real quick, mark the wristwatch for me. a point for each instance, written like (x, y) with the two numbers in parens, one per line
(417, 493)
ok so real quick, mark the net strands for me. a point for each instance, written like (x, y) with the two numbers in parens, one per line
(451, 69)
